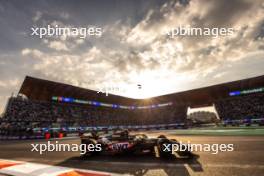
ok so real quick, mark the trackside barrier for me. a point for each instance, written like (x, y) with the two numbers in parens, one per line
(60, 135)
(20, 137)
(47, 135)
(17, 168)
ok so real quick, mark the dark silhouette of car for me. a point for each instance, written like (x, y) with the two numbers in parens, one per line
(122, 142)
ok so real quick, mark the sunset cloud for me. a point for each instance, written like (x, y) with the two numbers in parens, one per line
(134, 46)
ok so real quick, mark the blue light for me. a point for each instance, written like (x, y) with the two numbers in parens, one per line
(132, 107)
(234, 93)
(96, 103)
(115, 106)
(66, 99)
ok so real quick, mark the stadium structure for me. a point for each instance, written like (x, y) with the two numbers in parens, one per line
(49, 103)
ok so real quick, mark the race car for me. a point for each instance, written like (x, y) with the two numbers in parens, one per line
(122, 142)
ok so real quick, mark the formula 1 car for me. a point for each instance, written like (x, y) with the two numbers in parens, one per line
(124, 143)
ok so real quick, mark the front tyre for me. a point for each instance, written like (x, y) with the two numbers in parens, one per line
(164, 146)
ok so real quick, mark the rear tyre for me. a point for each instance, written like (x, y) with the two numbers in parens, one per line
(84, 147)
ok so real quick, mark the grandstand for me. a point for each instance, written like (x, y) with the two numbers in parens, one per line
(44, 103)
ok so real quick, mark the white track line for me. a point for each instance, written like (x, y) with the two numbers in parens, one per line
(162, 164)
(180, 164)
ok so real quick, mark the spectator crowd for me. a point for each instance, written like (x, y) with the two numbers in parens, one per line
(24, 113)
(249, 106)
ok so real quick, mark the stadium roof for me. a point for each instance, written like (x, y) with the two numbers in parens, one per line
(39, 89)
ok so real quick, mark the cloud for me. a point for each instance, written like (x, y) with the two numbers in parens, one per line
(128, 49)
(37, 16)
(33, 52)
(64, 15)
(59, 46)
(9, 83)
(199, 53)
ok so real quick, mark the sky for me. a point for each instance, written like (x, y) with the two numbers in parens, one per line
(133, 49)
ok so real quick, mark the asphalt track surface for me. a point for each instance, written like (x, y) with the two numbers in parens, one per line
(247, 159)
